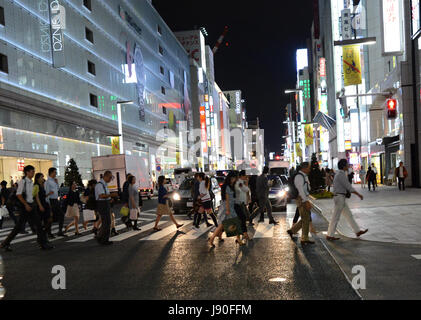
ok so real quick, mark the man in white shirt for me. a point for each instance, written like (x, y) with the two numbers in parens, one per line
(304, 205)
(25, 197)
(343, 189)
(51, 189)
(103, 198)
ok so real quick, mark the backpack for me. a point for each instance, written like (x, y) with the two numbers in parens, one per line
(293, 191)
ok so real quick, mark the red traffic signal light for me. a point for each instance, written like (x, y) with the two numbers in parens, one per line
(278, 158)
(392, 112)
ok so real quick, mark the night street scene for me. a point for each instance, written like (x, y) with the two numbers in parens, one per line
(210, 159)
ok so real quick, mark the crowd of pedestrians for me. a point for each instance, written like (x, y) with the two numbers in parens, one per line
(36, 199)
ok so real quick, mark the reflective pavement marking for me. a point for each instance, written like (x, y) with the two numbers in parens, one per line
(165, 232)
(133, 233)
(417, 256)
(92, 236)
(195, 234)
(264, 230)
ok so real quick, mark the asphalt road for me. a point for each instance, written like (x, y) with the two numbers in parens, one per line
(178, 266)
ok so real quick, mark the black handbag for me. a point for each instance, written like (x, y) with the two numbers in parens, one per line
(348, 195)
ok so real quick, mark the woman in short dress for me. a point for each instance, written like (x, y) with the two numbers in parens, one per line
(73, 202)
(227, 209)
(163, 208)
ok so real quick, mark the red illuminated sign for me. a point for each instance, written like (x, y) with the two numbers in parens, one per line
(21, 165)
(322, 67)
(204, 135)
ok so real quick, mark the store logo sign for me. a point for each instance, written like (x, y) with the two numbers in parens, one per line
(58, 24)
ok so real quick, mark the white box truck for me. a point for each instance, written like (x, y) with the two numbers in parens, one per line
(120, 165)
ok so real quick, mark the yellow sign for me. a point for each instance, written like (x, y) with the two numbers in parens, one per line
(308, 130)
(298, 150)
(352, 65)
(115, 145)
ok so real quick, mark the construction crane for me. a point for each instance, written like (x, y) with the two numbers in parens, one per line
(220, 40)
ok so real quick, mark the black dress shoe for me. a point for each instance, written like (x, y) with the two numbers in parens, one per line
(274, 222)
(136, 228)
(47, 247)
(291, 234)
(61, 234)
(24, 232)
(107, 243)
(6, 248)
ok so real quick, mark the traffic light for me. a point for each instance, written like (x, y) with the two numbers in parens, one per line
(392, 112)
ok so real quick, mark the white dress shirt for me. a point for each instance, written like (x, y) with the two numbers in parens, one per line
(341, 183)
(302, 184)
(26, 186)
(241, 192)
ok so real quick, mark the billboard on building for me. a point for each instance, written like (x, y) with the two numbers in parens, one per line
(352, 65)
(57, 25)
(194, 43)
(392, 26)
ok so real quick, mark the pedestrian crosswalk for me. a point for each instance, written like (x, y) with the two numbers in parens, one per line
(261, 230)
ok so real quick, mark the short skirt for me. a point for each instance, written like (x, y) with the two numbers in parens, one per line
(72, 211)
(163, 210)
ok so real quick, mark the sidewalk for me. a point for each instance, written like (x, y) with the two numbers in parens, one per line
(390, 215)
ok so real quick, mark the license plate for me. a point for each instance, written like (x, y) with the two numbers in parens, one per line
(190, 204)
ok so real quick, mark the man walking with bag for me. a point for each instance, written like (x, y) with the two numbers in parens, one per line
(27, 212)
(103, 199)
(301, 184)
(343, 190)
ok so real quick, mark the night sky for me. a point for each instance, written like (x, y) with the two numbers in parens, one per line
(260, 58)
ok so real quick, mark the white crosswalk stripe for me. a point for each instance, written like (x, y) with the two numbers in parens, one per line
(195, 234)
(264, 230)
(130, 234)
(165, 232)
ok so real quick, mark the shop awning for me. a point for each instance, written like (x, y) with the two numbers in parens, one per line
(327, 122)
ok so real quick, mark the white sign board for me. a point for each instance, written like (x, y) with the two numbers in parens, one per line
(392, 27)
(346, 24)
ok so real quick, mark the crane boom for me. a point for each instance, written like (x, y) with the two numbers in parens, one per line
(220, 40)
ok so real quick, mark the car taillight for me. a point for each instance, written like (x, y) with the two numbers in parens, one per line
(64, 197)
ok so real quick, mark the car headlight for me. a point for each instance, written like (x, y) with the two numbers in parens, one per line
(176, 197)
(282, 194)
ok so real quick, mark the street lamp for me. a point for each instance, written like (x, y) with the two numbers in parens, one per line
(360, 41)
(120, 122)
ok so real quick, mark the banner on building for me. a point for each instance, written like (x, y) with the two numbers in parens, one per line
(57, 25)
(309, 133)
(299, 152)
(115, 145)
(352, 65)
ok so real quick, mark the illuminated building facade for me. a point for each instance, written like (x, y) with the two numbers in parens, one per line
(64, 66)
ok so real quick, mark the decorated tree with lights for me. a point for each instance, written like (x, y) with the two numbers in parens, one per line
(72, 174)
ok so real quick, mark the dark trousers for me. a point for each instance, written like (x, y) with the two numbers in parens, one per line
(34, 221)
(401, 182)
(297, 216)
(371, 183)
(104, 210)
(58, 214)
(242, 215)
(45, 218)
(264, 203)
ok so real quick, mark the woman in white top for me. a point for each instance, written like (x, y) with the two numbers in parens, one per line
(206, 199)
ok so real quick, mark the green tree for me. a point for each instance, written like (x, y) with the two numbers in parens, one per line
(317, 180)
(72, 174)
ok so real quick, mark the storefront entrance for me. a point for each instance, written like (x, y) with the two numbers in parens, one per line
(11, 168)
